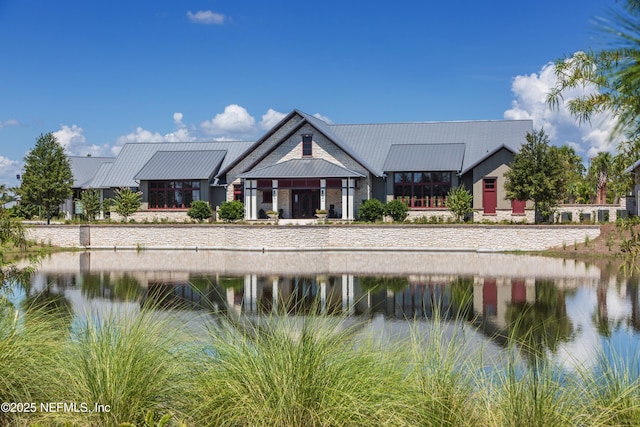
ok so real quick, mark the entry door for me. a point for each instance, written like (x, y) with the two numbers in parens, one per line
(489, 197)
(305, 203)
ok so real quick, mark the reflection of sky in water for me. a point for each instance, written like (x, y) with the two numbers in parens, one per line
(433, 273)
(587, 345)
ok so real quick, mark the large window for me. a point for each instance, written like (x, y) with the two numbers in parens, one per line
(307, 145)
(422, 189)
(173, 194)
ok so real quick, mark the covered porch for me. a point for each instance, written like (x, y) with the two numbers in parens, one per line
(297, 188)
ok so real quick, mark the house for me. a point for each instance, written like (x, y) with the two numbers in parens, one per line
(633, 202)
(304, 163)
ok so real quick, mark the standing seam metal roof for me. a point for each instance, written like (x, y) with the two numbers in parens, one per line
(424, 157)
(134, 156)
(84, 168)
(301, 168)
(167, 165)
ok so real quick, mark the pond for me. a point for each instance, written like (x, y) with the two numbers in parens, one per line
(570, 311)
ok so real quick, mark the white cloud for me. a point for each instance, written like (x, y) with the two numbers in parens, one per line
(8, 171)
(177, 119)
(531, 92)
(271, 118)
(323, 118)
(235, 120)
(75, 143)
(10, 122)
(206, 17)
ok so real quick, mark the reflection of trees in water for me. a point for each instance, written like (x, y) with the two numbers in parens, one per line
(541, 325)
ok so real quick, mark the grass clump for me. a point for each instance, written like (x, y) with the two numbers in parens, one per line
(133, 363)
(293, 371)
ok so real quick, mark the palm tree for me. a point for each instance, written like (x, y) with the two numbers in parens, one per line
(614, 70)
(599, 169)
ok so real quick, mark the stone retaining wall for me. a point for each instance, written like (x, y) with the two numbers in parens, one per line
(314, 237)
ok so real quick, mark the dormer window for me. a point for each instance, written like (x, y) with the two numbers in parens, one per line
(307, 145)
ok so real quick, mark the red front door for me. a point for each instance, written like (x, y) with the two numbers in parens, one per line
(489, 197)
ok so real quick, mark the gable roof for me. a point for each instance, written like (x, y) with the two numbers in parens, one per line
(424, 157)
(374, 141)
(135, 155)
(182, 165)
(84, 168)
(371, 145)
(301, 168)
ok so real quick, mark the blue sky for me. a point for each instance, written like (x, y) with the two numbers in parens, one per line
(103, 73)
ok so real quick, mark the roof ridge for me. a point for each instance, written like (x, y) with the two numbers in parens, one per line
(430, 122)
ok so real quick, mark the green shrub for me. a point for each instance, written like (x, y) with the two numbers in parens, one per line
(232, 211)
(459, 202)
(371, 210)
(200, 210)
(397, 210)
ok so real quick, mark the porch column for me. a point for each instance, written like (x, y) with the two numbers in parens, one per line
(351, 190)
(101, 214)
(344, 199)
(250, 205)
(274, 195)
(323, 194)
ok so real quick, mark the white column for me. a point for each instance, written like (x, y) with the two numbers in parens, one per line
(274, 195)
(350, 195)
(250, 199)
(101, 214)
(344, 199)
(323, 194)
(247, 199)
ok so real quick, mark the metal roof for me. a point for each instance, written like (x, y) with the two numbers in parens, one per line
(424, 157)
(372, 142)
(135, 155)
(99, 175)
(167, 165)
(84, 168)
(301, 168)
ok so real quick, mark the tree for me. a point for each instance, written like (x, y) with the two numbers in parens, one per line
(614, 70)
(47, 177)
(599, 170)
(459, 202)
(200, 210)
(536, 174)
(573, 169)
(232, 211)
(126, 202)
(91, 204)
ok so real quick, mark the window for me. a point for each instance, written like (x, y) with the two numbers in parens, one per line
(238, 192)
(173, 194)
(307, 145)
(422, 189)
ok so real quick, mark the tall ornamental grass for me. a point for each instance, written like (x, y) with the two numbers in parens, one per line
(293, 371)
(134, 363)
(299, 371)
(27, 352)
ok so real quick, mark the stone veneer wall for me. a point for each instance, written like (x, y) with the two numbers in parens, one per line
(313, 238)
